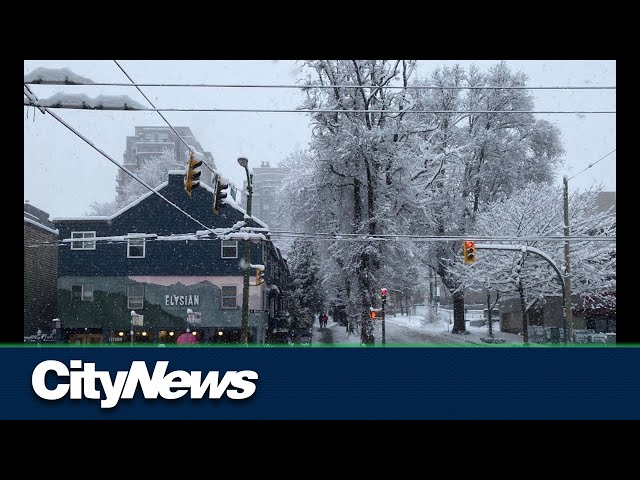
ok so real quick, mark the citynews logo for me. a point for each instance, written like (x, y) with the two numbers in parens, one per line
(83, 379)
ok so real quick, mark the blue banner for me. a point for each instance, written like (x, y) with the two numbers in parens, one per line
(94, 383)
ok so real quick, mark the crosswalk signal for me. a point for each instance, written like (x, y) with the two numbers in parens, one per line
(469, 251)
(373, 314)
(221, 193)
(191, 179)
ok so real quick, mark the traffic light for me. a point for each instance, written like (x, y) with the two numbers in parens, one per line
(222, 185)
(383, 294)
(259, 276)
(469, 251)
(191, 179)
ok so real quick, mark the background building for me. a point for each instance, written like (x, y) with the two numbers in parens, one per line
(266, 180)
(40, 271)
(149, 142)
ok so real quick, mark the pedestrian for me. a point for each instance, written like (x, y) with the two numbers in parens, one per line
(187, 338)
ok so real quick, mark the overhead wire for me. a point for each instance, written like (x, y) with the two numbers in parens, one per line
(127, 171)
(162, 116)
(319, 110)
(399, 87)
(592, 164)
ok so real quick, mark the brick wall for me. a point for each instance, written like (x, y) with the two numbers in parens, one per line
(40, 280)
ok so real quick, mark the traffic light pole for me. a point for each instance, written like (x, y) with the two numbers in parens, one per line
(244, 335)
(567, 278)
(384, 340)
(550, 261)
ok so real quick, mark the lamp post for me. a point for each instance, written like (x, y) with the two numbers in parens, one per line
(133, 314)
(244, 335)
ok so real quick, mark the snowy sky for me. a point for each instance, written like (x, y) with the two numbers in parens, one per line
(64, 175)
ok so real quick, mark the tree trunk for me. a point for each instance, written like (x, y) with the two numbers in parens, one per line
(458, 313)
(489, 313)
(525, 323)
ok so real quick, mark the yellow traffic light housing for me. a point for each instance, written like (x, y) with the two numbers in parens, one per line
(259, 277)
(191, 179)
(221, 193)
(469, 251)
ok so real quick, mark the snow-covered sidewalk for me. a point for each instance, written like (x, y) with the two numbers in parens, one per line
(441, 330)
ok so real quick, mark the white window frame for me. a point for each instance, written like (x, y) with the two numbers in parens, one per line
(81, 240)
(222, 247)
(87, 287)
(139, 306)
(144, 246)
(222, 297)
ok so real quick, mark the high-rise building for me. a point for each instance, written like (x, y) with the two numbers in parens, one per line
(150, 142)
(266, 180)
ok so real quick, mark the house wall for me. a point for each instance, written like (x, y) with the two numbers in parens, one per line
(40, 279)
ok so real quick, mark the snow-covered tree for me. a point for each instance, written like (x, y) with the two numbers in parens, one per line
(153, 171)
(306, 291)
(483, 155)
(537, 211)
(355, 167)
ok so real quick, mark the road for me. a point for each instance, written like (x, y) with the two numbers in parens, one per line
(397, 332)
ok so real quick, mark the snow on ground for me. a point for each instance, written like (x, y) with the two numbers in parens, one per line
(410, 330)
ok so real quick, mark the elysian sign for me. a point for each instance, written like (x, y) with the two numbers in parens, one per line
(182, 300)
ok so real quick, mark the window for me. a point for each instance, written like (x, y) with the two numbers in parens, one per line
(87, 292)
(83, 245)
(229, 297)
(135, 297)
(229, 249)
(76, 292)
(82, 292)
(135, 247)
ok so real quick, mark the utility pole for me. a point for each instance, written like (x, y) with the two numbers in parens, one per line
(567, 268)
(244, 335)
(383, 293)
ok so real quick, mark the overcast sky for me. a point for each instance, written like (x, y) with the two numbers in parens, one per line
(64, 175)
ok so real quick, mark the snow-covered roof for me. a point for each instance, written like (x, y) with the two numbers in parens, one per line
(55, 76)
(84, 101)
(37, 224)
(122, 210)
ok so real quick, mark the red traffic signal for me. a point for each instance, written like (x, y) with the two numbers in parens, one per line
(469, 251)
(383, 292)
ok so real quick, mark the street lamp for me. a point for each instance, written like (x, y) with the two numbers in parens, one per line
(133, 314)
(244, 335)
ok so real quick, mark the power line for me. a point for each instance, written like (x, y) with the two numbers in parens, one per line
(163, 117)
(135, 177)
(592, 164)
(401, 237)
(331, 237)
(274, 110)
(408, 87)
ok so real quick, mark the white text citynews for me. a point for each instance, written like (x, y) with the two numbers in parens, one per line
(83, 380)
